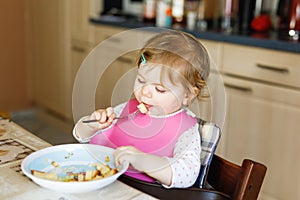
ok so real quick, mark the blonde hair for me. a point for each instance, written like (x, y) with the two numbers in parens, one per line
(181, 51)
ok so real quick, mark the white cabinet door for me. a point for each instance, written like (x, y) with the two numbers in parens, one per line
(263, 124)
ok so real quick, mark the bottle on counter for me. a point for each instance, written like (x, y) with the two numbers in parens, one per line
(149, 11)
(164, 13)
(191, 10)
(201, 23)
(246, 14)
(229, 16)
(178, 15)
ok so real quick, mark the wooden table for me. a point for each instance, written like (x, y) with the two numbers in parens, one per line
(15, 144)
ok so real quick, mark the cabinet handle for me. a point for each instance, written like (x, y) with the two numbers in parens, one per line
(236, 87)
(125, 60)
(78, 49)
(272, 68)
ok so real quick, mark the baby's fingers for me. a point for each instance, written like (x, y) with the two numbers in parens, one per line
(100, 116)
(120, 155)
(103, 117)
(110, 114)
(117, 154)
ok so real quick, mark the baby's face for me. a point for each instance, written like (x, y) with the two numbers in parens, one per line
(163, 98)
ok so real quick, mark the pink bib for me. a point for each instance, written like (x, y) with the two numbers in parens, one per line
(155, 135)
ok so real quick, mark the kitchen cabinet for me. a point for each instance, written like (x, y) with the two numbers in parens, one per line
(277, 67)
(116, 83)
(263, 113)
(103, 32)
(48, 55)
(60, 37)
(82, 42)
(214, 50)
(81, 28)
(79, 51)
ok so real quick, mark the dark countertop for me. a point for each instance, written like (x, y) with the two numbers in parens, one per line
(268, 40)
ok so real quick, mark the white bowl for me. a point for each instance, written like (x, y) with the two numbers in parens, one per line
(67, 155)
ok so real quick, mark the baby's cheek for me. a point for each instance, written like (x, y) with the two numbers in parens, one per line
(136, 90)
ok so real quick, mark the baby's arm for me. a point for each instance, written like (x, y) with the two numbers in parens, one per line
(155, 166)
(186, 161)
(105, 118)
(84, 131)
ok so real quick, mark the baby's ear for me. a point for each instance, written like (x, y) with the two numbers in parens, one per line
(190, 96)
(195, 91)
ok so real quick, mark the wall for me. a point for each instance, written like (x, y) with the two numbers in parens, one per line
(13, 69)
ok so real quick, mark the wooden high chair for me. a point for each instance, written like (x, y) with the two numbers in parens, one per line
(238, 182)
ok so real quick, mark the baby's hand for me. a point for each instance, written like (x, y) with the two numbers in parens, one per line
(105, 118)
(130, 154)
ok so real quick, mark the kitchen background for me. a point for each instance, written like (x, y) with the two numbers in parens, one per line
(44, 42)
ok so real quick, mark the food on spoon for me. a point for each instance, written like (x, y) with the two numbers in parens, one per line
(143, 108)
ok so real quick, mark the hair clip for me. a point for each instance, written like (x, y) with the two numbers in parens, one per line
(143, 59)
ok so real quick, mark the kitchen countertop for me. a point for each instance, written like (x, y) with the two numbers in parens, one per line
(267, 40)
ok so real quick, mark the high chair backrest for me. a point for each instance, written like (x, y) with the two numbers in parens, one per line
(239, 182)
(210, 135)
